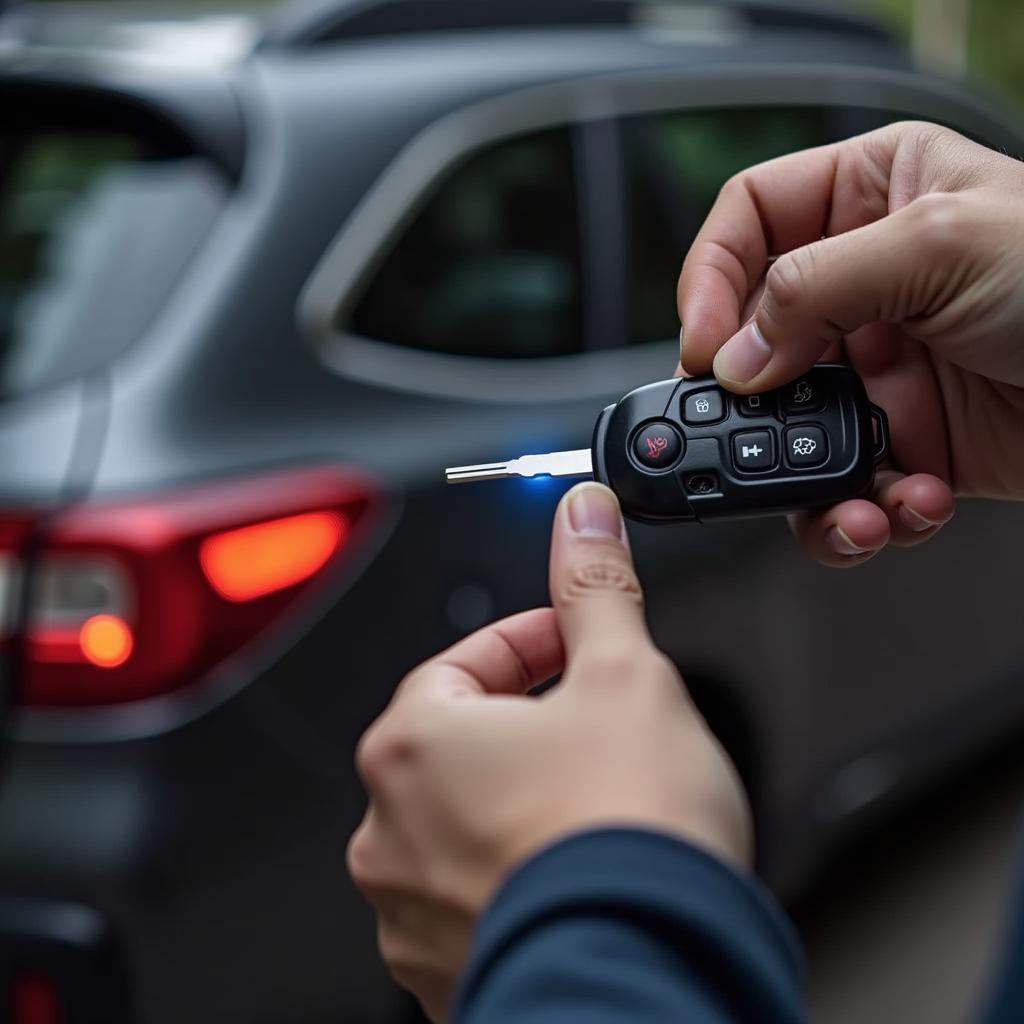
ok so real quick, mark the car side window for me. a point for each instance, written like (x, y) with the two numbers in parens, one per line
(676, 162)
(490, 265)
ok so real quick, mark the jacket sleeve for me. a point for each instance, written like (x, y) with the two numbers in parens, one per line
(624, 925)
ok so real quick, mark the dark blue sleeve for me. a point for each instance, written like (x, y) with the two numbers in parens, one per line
(1004, 1003)
(624, 925)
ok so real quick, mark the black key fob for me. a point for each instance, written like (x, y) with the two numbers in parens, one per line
(685, 450)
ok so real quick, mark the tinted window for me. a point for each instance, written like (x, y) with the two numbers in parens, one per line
(490, 266)
(94, 230)
(675, 165)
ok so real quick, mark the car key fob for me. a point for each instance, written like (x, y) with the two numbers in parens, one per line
(687, 450)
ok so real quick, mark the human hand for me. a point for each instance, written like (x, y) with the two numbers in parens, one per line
(468, 776)
(902, 253)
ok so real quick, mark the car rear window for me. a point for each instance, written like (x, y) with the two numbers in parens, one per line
(95, 228)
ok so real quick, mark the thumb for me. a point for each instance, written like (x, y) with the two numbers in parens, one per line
(594, 588)
(891, 270)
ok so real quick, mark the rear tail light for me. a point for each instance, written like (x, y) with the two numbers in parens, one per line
(244, 564)
(130, 600)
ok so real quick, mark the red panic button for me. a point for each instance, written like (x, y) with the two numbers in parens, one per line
(657, 446)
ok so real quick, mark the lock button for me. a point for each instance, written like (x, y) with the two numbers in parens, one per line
(703, 407)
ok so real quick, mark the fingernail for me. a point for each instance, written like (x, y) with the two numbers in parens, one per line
(841, 544)
(593, 509)
(913, 520)
(679, 371)
(743, 356)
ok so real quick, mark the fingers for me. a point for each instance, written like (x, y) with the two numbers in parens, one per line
(817, 294)
(916, 505)
(843, 536)
(594, 587)
(771, 209)
(899, 375)
(786, 197)
(905, 510)
(509, 656)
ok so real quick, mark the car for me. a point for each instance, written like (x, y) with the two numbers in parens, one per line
(262, 277)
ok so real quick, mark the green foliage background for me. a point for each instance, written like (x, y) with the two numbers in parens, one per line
(996, 41)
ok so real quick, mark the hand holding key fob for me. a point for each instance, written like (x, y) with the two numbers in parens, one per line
(687, 450)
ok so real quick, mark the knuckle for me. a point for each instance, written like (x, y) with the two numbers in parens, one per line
(918, 142)
(369, 755)
(661, 668)
(409, 973)
(406, 959)
(394, 951)
(600, 568)
(733, 185)
(382, 750)
(925, 132)
(604, 575)
(618, 663)
(937, 221)
(787, 282)
(658, 674)
(366, 865)
(614, 664)
(358, 858)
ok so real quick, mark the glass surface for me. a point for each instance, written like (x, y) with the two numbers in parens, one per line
(93, 233)
(675, 165)
(490, 266)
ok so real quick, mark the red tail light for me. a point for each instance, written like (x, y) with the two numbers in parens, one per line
(256, 560)
(131, 600)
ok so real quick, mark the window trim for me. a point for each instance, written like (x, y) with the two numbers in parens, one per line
(602, 223)
(410, 180)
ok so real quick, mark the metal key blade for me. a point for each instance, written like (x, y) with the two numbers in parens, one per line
(576, 463)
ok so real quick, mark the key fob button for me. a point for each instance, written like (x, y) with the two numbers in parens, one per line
(803, 396)
(657, 446)
(755, 405)
(806, 446)
(752, 451)
(703, 407)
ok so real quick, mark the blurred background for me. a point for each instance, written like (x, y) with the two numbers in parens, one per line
(265, 270)
(980, 38)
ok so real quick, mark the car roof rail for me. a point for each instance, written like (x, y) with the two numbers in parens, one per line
(310, 22)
